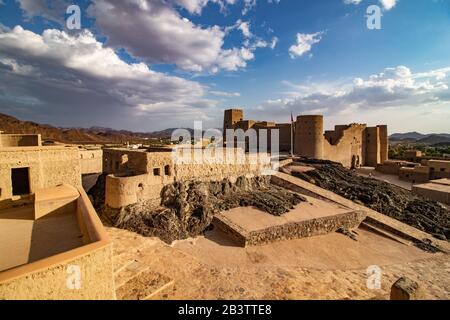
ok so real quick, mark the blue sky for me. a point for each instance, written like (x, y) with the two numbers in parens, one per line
(150, 64)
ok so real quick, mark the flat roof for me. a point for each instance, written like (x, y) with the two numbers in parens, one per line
(252, 219)
(36, 148)
(441, 181)
(24, 240)
(434, 186)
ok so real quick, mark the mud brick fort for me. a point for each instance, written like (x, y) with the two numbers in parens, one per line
(48, 226)
(352, 145)
(50, 231)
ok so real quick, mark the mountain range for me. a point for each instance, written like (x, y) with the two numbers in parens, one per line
(420, 138)
(102, 135)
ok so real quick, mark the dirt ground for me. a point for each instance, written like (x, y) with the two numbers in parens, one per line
(323, 267)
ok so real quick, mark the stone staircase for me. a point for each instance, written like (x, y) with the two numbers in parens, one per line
(384, 232)
(135, 281)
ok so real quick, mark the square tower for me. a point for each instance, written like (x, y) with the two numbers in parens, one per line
(231, 117)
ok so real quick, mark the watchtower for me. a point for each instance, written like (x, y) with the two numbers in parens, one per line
(309, 136)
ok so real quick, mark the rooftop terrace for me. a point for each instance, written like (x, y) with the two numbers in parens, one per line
(40, 239)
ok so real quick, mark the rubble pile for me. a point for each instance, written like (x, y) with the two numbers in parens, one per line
(187, 208)
(393, 201)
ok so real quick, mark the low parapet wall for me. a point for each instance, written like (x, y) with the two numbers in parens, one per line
(289, 231)
(20, 140)
(85, 272)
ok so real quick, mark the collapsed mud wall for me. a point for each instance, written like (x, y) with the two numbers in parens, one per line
(393, 201)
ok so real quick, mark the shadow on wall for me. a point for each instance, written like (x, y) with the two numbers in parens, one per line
(55, 233)
(17, 202)
(221, 238)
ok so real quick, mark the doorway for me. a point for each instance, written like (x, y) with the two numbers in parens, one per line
(20, 179)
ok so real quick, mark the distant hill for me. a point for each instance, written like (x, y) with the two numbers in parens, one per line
(407, 136)
(9, 124)
(435, 139)
(415, 137)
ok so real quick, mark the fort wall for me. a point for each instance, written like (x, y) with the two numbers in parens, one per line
(437, 190)
(49, 278)
(91, 161)
(439, 169)
(346, 146)
(393, 166)
(124, 161)
(197, 164)
(46, 166)
(417, 174)
(233, 119)
(352, 145)
(20, 140)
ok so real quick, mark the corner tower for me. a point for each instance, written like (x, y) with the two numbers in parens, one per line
(231, 117)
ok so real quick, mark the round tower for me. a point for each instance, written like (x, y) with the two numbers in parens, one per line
(309, 136)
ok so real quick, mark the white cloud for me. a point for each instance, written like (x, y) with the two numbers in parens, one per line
(170, 38)
(304, 43)
(387, 4)
(274, 42)
(248, 5)
(196, 6)
(245, 28)
(155, 32)
(76, 77)
(53, 10)
(352, 2)
(395, 91)
(225, 94)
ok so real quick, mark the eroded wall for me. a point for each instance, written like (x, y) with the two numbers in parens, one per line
(20, 140)
(417, 174)
(439, 169)
(124, 161)
(347, 147)
(164, 169)
(91, 161)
